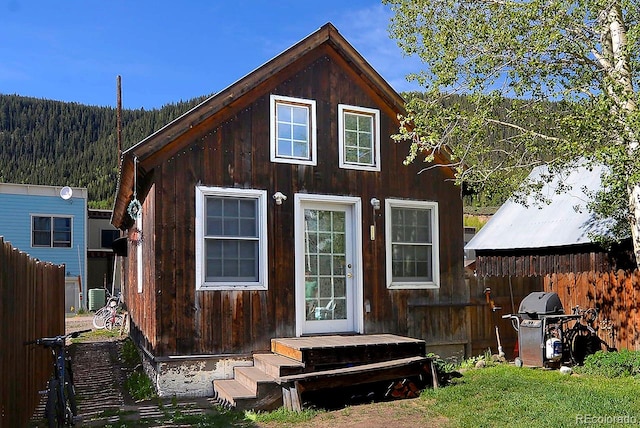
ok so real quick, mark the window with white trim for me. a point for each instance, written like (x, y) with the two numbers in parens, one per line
(359, 137)
(293, 130)
(51, 231)
(231, 238)
(412, 250)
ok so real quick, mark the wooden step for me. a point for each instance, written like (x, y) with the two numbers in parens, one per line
(324, 352)
(251, 388)
(277, 365)
(252, 378)
(232, 392)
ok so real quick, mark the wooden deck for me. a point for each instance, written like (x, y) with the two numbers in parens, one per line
(303, 364)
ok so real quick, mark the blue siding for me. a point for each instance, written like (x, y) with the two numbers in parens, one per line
(15, 226)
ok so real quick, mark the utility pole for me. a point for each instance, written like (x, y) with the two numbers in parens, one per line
(119, 119)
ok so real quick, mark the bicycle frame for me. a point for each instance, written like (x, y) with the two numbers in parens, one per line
(61, 381)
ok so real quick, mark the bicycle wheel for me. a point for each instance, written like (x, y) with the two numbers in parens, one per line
(51, 409)
(114, 321)
(100, 317)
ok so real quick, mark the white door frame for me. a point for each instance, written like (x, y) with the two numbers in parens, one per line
(355, 204)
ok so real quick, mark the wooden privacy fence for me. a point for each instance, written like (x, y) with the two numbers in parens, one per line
(614, 294)
(506, 295)
(31, 306)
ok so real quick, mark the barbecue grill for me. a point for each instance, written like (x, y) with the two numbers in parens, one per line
(539, 332)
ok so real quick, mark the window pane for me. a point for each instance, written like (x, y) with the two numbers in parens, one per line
(285, 147)
(61, 224)
(300, 150)
(365, 123)
(284, 113)
(351, 139)
(42, 224)
(365, 157)
(350, 122)
(42, 239)
(62, 239)
(351, 155)
(365, 141)
(300, 115)
(230, 227)
(230, 207)
(284, 130)
(300, 133)
(231, 260)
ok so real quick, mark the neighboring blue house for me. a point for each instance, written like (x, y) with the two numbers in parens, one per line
(49, 223)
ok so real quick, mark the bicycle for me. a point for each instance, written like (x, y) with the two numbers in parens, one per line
(60, 408)
(108, 316)
(582, 339)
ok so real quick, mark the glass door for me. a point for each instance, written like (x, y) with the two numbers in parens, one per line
(328, 283)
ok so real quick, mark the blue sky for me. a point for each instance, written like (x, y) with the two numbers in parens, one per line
(72, 50)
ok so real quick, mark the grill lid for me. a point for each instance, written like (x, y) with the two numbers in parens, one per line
(540, 303)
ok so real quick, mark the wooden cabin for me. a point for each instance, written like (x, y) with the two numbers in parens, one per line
(280, 208)
(551, 247)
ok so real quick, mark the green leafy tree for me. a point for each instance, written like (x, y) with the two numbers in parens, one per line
(572, 66)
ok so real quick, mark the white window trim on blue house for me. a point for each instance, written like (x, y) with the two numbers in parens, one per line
(52, 230)
(260, 196)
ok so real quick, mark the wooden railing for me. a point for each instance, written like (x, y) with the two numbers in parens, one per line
(31, 306)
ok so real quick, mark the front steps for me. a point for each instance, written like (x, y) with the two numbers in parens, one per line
(320, 362)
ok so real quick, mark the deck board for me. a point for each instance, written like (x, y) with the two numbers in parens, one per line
(323, 342)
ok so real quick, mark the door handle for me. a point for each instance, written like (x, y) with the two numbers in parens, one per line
(349, 275)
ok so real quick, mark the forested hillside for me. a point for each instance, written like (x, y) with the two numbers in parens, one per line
(59, 143)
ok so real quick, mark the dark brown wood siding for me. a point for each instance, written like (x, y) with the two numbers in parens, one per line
(234, 152)
(142, 305)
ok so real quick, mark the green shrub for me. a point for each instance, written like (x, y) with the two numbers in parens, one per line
(612, 364)
(139, 386)
(130, 354)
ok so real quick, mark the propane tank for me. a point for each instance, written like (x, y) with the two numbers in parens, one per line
(553, 349)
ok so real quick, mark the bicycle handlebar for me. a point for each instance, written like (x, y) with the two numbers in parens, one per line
(56, 340)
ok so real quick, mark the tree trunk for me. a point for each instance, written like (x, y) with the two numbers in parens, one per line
(620, 70)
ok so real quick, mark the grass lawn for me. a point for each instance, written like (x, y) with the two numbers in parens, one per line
(508, 396)
(521, 397)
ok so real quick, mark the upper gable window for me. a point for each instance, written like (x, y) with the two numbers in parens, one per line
(359, 137)
(293, 130)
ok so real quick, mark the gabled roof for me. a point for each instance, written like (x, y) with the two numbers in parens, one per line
(166, 141)
(565, 221)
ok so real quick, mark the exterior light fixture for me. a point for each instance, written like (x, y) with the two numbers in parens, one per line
(279, 197)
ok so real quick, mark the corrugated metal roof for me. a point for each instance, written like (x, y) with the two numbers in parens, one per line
(540, 225)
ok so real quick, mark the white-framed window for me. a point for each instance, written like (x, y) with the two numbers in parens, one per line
(293, 130)
(231, 239)
(359, 137)
(51, 231)
(412, 248)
